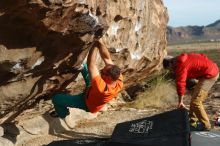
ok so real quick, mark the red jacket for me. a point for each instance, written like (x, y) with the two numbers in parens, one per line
(193, 66)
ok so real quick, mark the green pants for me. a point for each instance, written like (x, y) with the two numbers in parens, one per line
(63, 101)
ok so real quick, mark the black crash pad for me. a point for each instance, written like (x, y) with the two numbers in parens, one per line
(166, 129)
(89, 142)
(80, 142)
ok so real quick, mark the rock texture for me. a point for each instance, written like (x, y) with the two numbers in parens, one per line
(41, 40)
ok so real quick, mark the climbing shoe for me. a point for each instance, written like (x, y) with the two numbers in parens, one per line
(54, 114)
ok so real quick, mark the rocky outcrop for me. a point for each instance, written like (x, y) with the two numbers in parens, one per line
(41, 40)
(187, 34)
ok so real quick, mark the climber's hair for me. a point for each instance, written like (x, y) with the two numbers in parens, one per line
(111, 70)
(114, 72)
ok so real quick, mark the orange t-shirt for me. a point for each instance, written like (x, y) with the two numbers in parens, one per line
(101, 93)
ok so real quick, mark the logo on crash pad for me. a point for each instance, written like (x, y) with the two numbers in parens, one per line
(141, 127)
(208, 134)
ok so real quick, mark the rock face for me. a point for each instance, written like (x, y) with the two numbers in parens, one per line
(41, 40)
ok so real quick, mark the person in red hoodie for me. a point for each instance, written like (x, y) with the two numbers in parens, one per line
(194, 66)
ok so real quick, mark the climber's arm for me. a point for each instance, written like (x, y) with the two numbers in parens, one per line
(91, 62)
(104, 53)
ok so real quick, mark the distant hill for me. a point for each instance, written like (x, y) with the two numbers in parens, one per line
(188, 34)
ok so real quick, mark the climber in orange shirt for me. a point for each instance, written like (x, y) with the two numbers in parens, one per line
(101, 86)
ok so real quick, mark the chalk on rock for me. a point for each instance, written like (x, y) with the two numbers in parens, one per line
(1, 131)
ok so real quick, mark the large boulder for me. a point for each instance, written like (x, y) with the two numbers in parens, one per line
(41, 40)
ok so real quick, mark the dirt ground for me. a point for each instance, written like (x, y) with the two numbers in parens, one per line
(103, 125)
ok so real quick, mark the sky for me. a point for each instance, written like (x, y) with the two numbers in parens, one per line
(192, 12)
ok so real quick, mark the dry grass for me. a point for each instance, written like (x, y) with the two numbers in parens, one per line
(162, 94)
(195, 46)
(211, 49)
